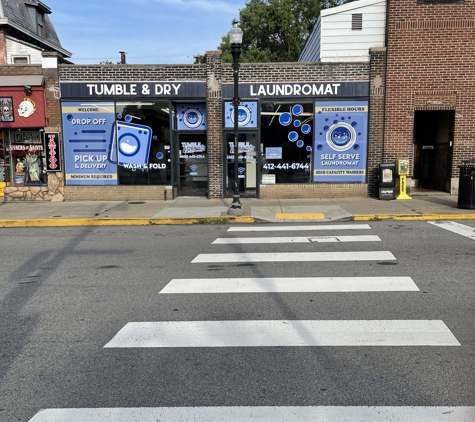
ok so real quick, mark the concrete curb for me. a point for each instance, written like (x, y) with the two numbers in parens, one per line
(414, 217)
(79, 222)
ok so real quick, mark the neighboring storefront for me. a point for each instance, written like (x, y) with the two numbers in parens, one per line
(175, 136)
(22, 122)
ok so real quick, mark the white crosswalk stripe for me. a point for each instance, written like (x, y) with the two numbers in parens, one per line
(260, 414)
(257, 228)
(290, 285)
(454, 227)
(309, 239)
(283, 333)
(295, 257)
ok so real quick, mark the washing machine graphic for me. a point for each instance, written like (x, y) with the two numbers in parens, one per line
(133, 144)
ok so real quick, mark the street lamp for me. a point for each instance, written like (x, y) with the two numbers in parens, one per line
(235, 37)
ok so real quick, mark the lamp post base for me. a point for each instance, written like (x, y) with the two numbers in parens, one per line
(236, 207)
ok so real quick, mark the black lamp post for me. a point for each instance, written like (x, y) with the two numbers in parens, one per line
(235, 37)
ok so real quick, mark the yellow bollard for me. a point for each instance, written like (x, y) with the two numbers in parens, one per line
(402, 188)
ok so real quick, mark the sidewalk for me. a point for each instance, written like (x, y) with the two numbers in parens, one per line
(204, 211)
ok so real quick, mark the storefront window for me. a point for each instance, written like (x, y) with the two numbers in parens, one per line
(27, 155)
(286, 142)
(143, 143)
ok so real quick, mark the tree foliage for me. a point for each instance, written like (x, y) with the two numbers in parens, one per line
(276, 30)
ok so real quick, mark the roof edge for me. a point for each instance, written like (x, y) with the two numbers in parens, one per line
(350, 6)
(6, 21)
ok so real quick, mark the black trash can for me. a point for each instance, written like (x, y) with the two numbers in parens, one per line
(466, 196)
(387, 181)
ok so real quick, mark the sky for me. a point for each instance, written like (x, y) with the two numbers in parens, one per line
(149, 31)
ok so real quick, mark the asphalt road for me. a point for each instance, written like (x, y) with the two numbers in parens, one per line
(66, 292)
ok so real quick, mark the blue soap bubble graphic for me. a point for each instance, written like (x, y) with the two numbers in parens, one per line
(297, 123)
(285, 119)
(319, 147)
(356, 147)
(293, 136)
(128, 118)
(354, 124)
(300, 144)
(309, 148)
(306, 128)
(326, 128)
(70, 117)
(297, 110)
(155, 137)
(119, 116)
(160, 155)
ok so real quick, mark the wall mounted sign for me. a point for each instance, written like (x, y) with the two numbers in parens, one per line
(21, 110)
(53, 156)
(191, 116)
(133, 90)
(341, 138)
(299, 90)
(247, 114)
(6, 109)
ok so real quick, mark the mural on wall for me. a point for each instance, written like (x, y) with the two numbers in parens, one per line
(89, 130)
(341, 138)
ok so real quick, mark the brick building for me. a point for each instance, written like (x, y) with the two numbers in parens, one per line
(430, 95)
(312, 129)
(161, 131)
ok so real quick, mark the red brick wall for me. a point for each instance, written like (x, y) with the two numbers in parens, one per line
(3, 48)
(430, 66)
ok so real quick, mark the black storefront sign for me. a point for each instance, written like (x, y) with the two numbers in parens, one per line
(299, 90)
(53, 156)
(133, 90)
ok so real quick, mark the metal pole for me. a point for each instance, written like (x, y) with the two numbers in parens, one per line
(236, 206)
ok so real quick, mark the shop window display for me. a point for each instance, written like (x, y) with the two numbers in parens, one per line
(286, 142)
(143, 143)
(27, 156)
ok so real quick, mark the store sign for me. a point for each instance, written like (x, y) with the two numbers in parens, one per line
(341, 139)
(89, 136)
(133, 90)
(26, 137)
(299, 90)
(53, 156)
(22, 109)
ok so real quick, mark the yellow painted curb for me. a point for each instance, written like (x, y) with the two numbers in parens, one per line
(414, 217)
(64, 222)
(317, 216)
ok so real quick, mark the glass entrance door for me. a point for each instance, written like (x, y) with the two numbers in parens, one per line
(247, 164)
(193, 164)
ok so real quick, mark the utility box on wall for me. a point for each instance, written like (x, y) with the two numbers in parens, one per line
(387, 181)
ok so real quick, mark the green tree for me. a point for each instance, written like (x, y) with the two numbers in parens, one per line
(276, 30)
